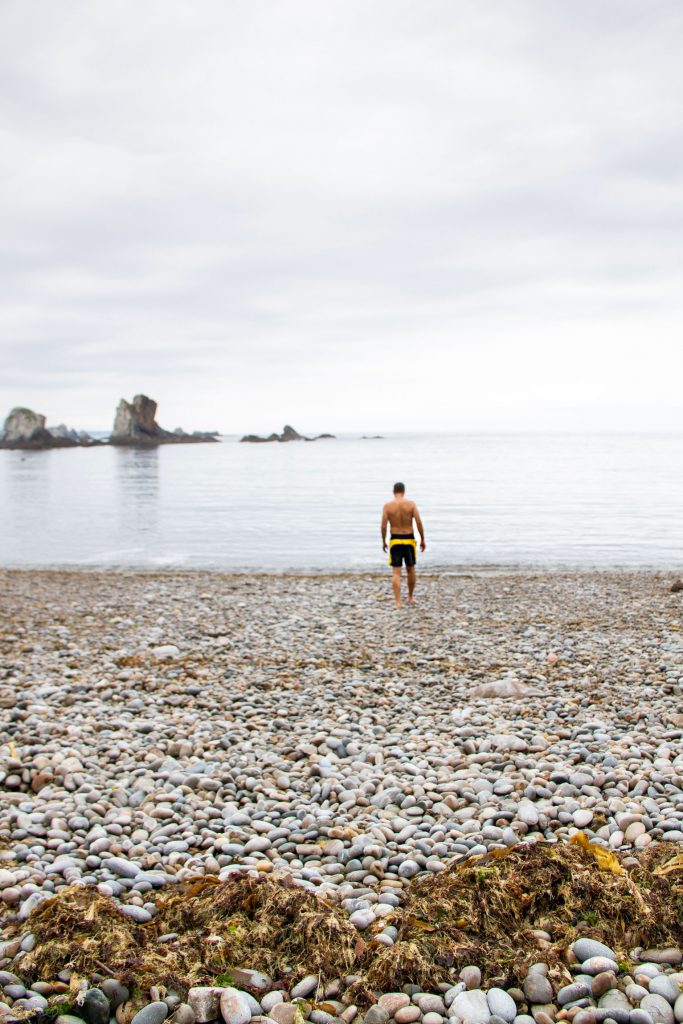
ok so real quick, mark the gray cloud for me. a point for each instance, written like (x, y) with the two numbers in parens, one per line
(349, 215)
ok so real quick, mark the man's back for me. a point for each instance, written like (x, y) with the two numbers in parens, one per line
(400, 513)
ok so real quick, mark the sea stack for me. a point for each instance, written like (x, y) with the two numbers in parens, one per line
(135, 424)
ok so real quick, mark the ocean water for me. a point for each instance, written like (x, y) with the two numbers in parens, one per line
(522, 500)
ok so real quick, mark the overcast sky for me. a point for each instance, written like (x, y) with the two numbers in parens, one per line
(343, 214)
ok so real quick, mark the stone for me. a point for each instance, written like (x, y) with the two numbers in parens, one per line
(501, 688)
(664, 985)
(471, 1007)
(430, 1003)
(602, 983)
(271, 999)
(671, 955)
(305, 987)
(184, 1014)
(407, 1014)
(570, 993)
(115, 992)
(376, 1015)
(597, 964)
(501, 1004)
(204, 1001)
(659, 1008)
(121, 867)
(432, 1017)
(584, 949)
(284, 1013)
(678, 1009)
(153, 1013)
(537, 988)
(95, 1007)
(639, 1017)
(393, 1001)
(234, 1007)
(255, 980)
(471, 976)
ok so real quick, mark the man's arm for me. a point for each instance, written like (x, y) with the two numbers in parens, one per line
(385, 520)
(420, 528)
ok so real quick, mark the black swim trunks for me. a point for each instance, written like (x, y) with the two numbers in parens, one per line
(402, 548)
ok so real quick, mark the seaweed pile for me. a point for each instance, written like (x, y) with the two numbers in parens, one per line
(503, 910)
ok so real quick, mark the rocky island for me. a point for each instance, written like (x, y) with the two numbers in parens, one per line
(134, 424)
(24, 428)
(288, 434)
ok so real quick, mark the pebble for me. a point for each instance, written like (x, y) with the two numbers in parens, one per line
(305, 987)
(204, 1001)
(537, 988)
(471, 1007)
(663, 985)
(501, 1004)
(585, 949)
(95, 1007)
(153, 1013)
(235, 1007)
(659, 1008)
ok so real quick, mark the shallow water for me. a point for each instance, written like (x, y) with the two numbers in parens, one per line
(559, 500)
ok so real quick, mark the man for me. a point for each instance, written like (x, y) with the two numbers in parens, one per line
(399, 514)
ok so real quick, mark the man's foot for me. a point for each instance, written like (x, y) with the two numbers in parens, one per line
(411, 600)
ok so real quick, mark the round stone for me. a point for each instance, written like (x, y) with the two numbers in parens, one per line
(153, 1013)
(663, 985)
(501, 1004)
(584, 949)
(234, 1007)
(471, 1007)
(659, 1008)
(95, 1007)
(537, 988)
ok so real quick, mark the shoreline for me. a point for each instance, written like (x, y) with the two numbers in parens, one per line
(434, 572)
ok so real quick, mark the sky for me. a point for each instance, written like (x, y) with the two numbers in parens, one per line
(344, 215)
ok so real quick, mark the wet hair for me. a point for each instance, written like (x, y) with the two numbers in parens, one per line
(399, 488)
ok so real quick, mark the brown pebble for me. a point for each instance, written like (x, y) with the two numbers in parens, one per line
(541, 1017)
(602, 983)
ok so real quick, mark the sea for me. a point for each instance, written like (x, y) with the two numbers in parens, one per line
(514, 500)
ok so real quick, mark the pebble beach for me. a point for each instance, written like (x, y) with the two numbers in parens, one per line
(161, 727)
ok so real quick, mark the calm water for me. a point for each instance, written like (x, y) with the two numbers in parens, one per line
(608, 500)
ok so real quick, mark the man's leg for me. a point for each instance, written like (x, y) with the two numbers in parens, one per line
(412, 578)
(396, 584)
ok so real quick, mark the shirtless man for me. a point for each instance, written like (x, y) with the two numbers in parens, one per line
(399, 514)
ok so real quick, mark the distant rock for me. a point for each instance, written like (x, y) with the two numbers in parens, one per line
(79, 437)
(508, 687)
(135, 424)
(288, 434)
(24, 428)
(372, 437)
(677, 586)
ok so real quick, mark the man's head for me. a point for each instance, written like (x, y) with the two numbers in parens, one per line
(399, 489)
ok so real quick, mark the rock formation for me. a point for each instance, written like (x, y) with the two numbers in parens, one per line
(135, 424)
(26, 429)
(288, 434)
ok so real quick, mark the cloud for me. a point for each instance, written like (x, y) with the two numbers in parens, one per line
(350, 215)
